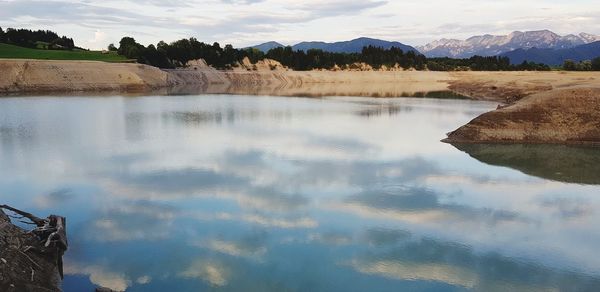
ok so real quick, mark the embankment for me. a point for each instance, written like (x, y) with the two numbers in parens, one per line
(561, 116)
(36, 76)
(543, 107)
(509, 87)
(39, 76)
(29, 76)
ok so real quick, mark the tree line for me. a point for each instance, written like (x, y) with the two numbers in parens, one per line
(587, 65)
(178, 53)
(479, 63)
(376, 57)
(44, 39)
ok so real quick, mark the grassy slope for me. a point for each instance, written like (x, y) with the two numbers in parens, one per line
(15, 52)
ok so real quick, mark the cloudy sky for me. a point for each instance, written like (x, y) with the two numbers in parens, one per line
(96, 23)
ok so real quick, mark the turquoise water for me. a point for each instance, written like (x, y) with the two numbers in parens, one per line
(241, 193)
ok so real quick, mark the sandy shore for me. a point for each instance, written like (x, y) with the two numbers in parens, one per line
(560, 116)
(554, 107)
(512, 86)
(38, 76)
(23, 76)
(31, 76)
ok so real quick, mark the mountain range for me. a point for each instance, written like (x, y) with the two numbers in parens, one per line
(492, 45)
(542, 46)
(352, 46)
(554, 57)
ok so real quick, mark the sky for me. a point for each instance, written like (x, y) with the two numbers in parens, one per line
(96, 23)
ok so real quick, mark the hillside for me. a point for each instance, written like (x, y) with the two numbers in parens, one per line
(265, 47)
(555, 57)
(15, 52)
(352, 46)
(492, 45)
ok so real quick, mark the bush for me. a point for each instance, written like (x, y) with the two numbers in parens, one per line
(596, 64)
(587, 65)
(570, 65)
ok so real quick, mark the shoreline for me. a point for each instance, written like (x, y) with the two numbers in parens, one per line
(568, 116)
(46, 77)
(533, 104)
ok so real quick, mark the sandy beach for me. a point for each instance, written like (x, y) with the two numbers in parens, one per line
(29, 76)
(561, 116)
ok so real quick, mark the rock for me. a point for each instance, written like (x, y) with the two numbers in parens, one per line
(269, 65)
(359, 67)
(567, 116)
(262, 65)
(246, 65)
(197, 64)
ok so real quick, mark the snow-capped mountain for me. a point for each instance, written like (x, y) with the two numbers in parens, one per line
(492, 45)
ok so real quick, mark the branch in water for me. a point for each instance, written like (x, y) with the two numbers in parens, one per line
(52, 233)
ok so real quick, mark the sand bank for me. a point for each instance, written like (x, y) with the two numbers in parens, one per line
(39, 76)
(35, 76)
(560, 116)
(553, 107)
(23, 76)
(509, 87)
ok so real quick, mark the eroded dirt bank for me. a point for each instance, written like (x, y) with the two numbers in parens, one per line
(561, 116)
(543, 107)
(509, 87)
(27, 76)
(39, 76)
(35, 76)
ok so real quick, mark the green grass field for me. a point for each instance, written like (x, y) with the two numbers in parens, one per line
(15, 52)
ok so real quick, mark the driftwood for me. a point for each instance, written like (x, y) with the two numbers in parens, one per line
(34, 256)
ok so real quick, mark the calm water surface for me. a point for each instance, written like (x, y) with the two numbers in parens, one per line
(240, 193)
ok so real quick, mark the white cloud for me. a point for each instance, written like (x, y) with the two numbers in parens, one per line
(100, 276)
(246, 22)
(212, 272)
(100, 38)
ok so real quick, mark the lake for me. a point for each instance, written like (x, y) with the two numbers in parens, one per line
(257, 193)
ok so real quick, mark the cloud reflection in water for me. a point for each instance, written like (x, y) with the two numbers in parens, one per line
(274, 194)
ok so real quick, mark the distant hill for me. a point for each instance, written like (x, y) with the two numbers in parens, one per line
(554, 57)
(353, 46)
(492, 45)
(265, 47)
